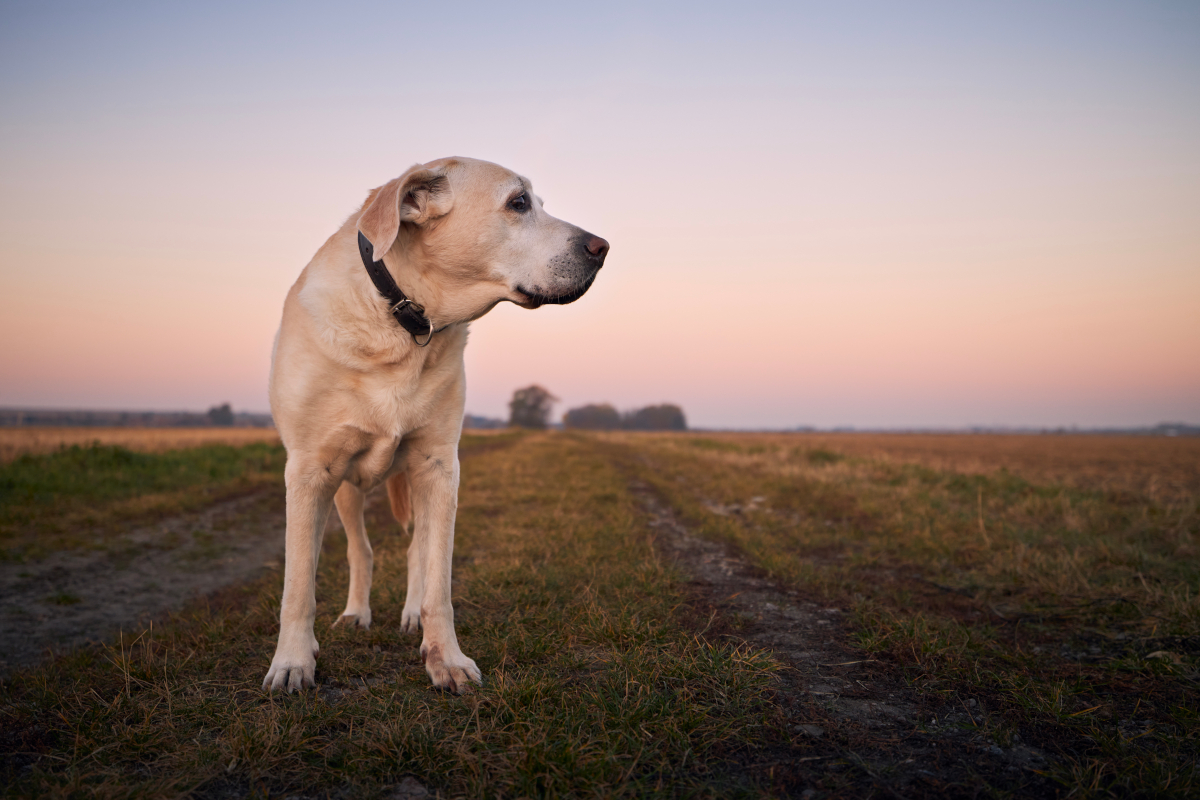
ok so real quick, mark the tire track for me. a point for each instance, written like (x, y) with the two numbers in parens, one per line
(866, 725)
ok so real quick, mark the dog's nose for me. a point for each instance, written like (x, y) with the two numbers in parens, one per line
(597, 247)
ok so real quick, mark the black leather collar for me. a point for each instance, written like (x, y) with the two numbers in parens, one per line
(410, 315)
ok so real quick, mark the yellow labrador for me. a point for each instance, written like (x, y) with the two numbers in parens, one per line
(367, 382)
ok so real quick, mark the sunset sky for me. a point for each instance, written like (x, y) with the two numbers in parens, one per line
(868, 214)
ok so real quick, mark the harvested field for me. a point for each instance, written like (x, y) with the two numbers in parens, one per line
(1161, 466)
(35, 440)
(695, 614)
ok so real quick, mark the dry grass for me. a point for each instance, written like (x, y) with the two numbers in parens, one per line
(472, 433)
(1058, 575)
(1159, 466)
(37, 440)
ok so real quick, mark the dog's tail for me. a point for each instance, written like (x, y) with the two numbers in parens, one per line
(400, 496)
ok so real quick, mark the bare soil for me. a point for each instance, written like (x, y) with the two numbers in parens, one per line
(77, 597)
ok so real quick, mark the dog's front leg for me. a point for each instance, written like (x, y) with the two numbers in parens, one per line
(310, 490)
(435, 501)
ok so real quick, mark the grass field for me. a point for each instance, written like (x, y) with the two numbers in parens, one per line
(1057, 576)
(1046, 587)
(80, 496)
(15, 442)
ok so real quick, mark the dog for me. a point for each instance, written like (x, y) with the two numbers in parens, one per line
(367, 383)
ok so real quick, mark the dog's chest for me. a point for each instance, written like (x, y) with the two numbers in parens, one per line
(403, 399)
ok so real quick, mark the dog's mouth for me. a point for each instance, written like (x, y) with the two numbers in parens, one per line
(536, 299)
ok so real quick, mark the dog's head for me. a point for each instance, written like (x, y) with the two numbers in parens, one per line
(466, 235)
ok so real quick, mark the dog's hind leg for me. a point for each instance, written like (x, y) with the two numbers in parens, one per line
(400, 496)
(349, 502)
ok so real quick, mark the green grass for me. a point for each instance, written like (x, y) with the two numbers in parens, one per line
(74, 496)
(591, 687)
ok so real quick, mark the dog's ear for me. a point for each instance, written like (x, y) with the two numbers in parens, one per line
(417, 196)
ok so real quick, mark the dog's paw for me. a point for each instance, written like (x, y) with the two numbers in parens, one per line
(292, 671)
(450, 670)
(355, 619)
(410, 620)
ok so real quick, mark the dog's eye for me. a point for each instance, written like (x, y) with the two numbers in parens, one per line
(520, 203)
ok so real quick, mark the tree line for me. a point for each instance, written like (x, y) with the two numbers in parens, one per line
(530, 408)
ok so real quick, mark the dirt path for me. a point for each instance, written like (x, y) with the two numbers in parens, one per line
(865, 723)
(75, 597)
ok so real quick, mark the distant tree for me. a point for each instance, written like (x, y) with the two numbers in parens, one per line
(221, 415)
(665, 417)
(530, 407)
(602, 417)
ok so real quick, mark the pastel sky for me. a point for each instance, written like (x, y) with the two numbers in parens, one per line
(843, 213)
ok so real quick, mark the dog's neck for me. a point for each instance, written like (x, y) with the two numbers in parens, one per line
(409, 314)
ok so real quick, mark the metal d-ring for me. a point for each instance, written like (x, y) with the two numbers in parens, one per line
(428, 339)
(408, 302)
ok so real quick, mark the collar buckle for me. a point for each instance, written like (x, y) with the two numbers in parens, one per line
(408, 314)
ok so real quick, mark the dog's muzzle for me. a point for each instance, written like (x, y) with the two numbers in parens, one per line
(583, 261)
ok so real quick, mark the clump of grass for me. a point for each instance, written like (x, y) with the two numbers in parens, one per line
(715, 444)
(822, 456)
